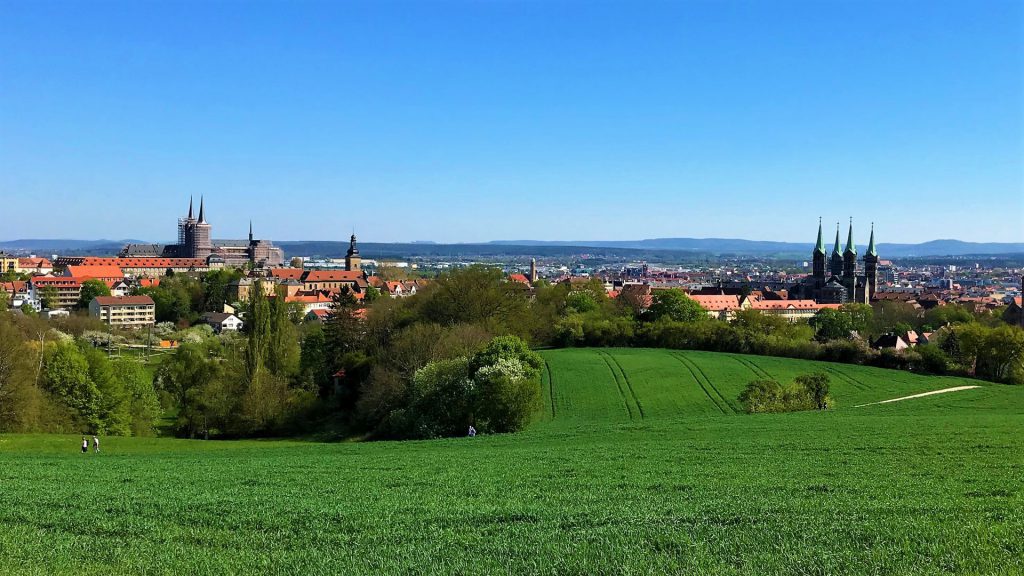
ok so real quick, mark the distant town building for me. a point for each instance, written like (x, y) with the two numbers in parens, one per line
(222, 321)
(66, 291)
(138, 266)
(125, 311)
(893, 341)
(8, 263)
(195, 242)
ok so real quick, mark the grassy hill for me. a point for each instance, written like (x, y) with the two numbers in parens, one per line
(622, 384)
(639, 463)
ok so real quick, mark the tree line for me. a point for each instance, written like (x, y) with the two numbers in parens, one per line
(458, 353)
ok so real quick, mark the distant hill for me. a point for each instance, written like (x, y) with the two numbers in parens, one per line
(386, 250)
(764, 247)
(650, 248)
(65, 246)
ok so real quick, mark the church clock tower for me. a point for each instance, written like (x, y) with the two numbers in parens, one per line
(353, 262)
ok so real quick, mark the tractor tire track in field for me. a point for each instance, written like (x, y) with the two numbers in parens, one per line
(699, 383)
(757, 370)
(629, 385)
(551, 387)
(618, 384)
(842, 376)
(709, 382)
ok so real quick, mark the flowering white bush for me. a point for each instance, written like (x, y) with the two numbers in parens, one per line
(509, 367)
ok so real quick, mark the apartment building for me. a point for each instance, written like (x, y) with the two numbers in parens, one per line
(65, 290)
(125, 311)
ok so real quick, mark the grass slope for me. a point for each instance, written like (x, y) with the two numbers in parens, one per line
(629, 384)
(638, 464)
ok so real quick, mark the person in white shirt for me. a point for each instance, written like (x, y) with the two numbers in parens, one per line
(85, 445)
(96, 443)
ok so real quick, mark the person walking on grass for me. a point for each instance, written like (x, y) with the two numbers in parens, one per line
(472, 432)
(96, 444)
(85, 445)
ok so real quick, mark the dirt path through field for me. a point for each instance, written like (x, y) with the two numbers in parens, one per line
(921, 395)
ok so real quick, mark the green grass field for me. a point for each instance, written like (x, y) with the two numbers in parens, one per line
(639, 463)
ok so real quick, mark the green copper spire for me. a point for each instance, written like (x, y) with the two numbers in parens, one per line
(835, 251)
(871, 243)
(851, 248)
(820, 248)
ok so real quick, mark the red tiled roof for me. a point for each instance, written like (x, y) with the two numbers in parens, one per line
(14, 286)
(784, 305)
(331, 275)
(97, 271)
(148, 282)
(308, 298)
(123, 300)
(34, 263)
(717, 303)
(519, 278)
(286, 273)
(144, 262)
(56, 281)
(324, 314)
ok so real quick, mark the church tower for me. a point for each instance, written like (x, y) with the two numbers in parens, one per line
(186, 233)
(836, 265)
(870, 268)
(850, 265)
(252, 247)
(818, 260)
(353, 263)
(533, 270)
(201, 245)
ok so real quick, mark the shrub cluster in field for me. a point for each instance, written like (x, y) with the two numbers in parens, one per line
(806, 392)
(495, 390)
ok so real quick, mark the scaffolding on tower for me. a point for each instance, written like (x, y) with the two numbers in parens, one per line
(182, 227)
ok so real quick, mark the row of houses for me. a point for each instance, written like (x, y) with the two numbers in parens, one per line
(726, 306)
(315, 289)
(66, 288)
(24, 265)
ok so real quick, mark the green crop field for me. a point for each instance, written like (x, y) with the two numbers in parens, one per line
(640, 462)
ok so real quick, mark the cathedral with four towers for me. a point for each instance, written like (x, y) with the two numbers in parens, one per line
(837, 278)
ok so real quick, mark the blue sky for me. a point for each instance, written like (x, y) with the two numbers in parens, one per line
(471, 121)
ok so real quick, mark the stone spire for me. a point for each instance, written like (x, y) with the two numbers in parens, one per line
(871, 243)
(190, 207)
(820, 247)
(835, 250)
(202, 218)
(250, 231)
(851, 248)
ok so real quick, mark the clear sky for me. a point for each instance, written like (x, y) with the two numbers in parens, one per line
(471, 121)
